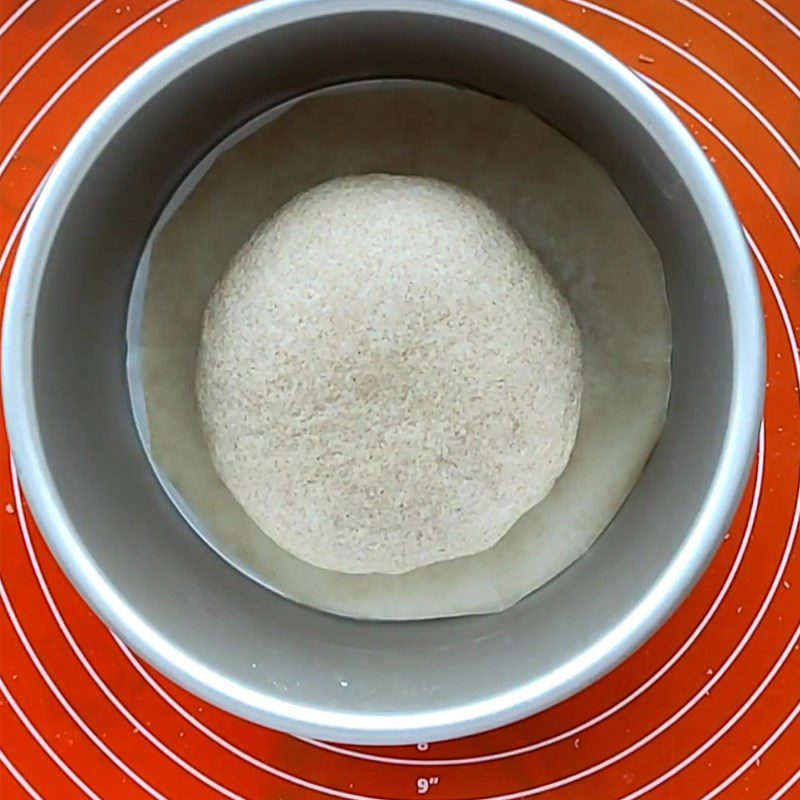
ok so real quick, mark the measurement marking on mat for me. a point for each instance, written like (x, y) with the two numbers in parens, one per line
(425, 784)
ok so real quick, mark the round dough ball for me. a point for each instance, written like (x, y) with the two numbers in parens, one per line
(387, 377)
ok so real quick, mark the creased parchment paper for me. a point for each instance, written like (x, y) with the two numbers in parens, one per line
(559, 199)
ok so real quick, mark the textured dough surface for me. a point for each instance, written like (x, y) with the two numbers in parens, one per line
(387, 377)
(570, 213)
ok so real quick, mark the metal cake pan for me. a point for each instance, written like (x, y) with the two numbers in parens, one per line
(142, 568)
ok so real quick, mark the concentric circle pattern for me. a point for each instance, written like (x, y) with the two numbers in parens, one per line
(707, 708)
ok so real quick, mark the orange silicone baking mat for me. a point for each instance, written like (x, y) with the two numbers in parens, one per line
(707, 708)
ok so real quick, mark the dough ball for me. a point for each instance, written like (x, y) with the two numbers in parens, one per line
(387, 377)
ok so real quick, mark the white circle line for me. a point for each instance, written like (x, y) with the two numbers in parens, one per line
(55, 757)
(88, 64)
(786, 786)
(784, 312)
(701, 65)
(725, 728)
(12, 18)
(754, 51)
(731, 147)
(64, 703)
(18, 776)
(742, 768)
(785, 21)
(524, 793)
(20, 223)
(33, 60)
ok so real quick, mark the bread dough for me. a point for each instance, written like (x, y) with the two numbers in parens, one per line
(554, 194)
(387, 376)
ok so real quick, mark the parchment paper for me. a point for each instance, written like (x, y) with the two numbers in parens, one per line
(561, 201)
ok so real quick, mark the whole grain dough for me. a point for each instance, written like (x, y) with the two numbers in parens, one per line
(567, 209)
(387, 376)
